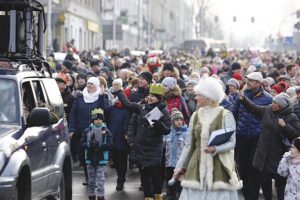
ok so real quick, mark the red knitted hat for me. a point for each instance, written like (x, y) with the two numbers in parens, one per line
(237, 76)
(280, 87)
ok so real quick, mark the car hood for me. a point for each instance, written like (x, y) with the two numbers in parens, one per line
(8, 143)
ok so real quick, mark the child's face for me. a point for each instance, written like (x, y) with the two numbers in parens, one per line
(178, 122)
(294, 150)
(98, 122)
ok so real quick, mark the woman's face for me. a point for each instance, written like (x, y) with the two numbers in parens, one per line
(201, 100)
(232, 89)
(91, 88)
(152, 99)
(190, 89)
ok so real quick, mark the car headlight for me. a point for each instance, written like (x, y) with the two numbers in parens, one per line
(2, 159)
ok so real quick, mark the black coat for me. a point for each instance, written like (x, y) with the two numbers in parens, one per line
(147, 150)
(270, 148)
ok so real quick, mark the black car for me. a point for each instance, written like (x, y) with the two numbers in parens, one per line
(35, 159)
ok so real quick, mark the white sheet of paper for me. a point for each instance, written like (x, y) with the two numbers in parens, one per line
(154, 114)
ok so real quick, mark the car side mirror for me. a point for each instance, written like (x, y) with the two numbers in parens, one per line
(39, 117)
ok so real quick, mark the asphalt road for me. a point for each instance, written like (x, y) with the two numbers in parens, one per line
(130, 192)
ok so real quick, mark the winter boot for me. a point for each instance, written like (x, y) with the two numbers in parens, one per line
(158, 197)
(100, 198)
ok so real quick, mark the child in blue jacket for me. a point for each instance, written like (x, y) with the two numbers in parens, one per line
(97, 141)
(174, 143)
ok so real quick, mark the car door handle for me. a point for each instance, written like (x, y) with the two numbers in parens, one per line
(58, 139)
(44, 145)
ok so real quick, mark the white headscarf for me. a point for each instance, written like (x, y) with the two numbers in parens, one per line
(88, 97)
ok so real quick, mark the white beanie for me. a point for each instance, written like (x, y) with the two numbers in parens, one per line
(169, 82)
(118, 81)
(210, 88)
(95, 81)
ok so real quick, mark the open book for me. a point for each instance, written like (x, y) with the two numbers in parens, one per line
(219, 137)
(154, 114)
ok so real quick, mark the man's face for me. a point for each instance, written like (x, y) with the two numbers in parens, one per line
(292, 72)
(167, 73)
(95, 68)
(253, 84)
(61, 86)
(143, 83)
(81, 81)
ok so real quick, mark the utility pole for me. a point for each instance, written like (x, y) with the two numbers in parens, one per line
(114, 23)
(139, 24)
(149, 23)
(49, 30)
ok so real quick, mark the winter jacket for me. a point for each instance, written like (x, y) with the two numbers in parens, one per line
(233, 97)
(270, 146)
(118, 127)
(297, 109)
(175, 100)
(248, 125)
(292, 171)
(80, 114)
(174, 143)
(226, 104)
(96, 146)
(147, 149)
(190, 102)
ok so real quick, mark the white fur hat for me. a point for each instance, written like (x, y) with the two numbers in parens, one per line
(118, 81)
(210, 88)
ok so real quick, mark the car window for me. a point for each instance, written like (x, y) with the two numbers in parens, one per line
(9, 110)
(54, 96)
(28, 99)
(40, 97)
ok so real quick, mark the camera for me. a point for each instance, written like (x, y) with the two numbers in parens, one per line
(112, 90)
(94, 145)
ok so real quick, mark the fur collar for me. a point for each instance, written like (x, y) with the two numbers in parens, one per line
(176, 92)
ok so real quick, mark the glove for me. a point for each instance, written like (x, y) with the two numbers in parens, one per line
(160, 126)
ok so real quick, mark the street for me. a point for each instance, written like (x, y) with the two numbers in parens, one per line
(130, 191)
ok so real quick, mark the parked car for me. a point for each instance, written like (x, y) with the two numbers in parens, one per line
(35, 158)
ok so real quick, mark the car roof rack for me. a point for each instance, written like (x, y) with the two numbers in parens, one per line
(22, 37)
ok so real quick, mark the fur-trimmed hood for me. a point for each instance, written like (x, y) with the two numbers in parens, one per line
(176, 92)
(175, 73)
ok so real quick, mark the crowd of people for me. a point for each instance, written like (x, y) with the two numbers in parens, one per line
(157, 112)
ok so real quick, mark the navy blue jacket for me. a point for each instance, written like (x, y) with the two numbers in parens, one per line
(80, 115)
(118, 118)
(247, 124)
